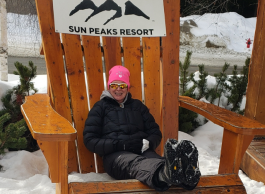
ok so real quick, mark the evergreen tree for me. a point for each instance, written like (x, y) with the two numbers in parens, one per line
(184, 79)
(219, 89)
(201, 84)
(11, 106)
(237, 87)
(26, 75)
(10, 137)
(15, 97)
(187, 118)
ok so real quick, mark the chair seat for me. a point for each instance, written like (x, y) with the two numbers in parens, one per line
(228, 183)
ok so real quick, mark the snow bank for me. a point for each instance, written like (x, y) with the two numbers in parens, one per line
(226, 30)
(23, 165)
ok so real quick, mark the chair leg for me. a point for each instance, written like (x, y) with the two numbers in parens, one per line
(233, 149)
(62, 186)
(50, 152)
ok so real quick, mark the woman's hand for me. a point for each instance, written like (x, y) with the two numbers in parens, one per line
(133, 145)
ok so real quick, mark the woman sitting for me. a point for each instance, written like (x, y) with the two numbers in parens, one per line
(122, 131)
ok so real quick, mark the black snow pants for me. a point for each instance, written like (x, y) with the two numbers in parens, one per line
(126, 165)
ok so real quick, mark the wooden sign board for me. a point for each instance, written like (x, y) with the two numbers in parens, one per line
(133, 18)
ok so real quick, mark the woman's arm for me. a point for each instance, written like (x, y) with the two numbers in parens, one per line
(151, 128)
(93, 132)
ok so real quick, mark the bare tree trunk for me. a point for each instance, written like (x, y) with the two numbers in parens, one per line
(3, 42)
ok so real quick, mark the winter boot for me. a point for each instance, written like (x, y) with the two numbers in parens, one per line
(181, 165)
(169, 173)
(188, 154)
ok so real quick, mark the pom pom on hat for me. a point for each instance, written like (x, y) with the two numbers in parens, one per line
(119, 73)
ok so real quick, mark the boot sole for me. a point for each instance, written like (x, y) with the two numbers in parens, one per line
(173, 162)
(188, 154)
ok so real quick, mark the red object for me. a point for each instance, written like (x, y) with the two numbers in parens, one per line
(248, 43)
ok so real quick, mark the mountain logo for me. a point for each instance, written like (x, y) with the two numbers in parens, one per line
(130, 9)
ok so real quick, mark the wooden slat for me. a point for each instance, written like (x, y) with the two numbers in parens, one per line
(79, 102)
(112, 53)
(231, 152)
(151, 60)
(50, 151)
(258, 142)
(134, 186)
(255, 105)
(48, 125)
(256, 90)
(132, 61)
(62, 186)
(55, 65)
(94, 72)
(253, 164)
(170, 45)
(225, 118)
(207, 190)
(53, 57)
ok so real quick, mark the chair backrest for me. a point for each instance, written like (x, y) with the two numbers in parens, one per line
(79, 59)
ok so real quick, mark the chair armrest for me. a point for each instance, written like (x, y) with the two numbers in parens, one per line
(44, 123)
(229, 120)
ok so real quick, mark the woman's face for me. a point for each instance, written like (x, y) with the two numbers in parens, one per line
(118, 94)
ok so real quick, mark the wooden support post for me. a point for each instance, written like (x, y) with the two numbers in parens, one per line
(255, 106)
(151, 59)
(232, 152)
(51, 152)
(54, 60)
(170, 61)
(62, 186)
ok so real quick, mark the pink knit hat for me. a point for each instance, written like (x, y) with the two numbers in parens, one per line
(119, 73)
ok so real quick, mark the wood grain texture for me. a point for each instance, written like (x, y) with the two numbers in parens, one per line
(54, 62)
(53, 57)
(212, 183)
(253, 163)
(112, 53)
(231, 152)
(225, 118)
(79, 102)
(94, 72)
(50, 150)
(62, 186)
(48, 125)
(132, 61)
(151, 63)
(255, 106)
(170, 60)
(255, 97)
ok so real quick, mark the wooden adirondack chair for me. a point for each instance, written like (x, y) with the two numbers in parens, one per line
(57, 123)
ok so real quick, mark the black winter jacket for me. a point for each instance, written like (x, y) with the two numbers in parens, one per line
(107, 123)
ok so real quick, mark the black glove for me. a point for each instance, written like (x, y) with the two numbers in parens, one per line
(133, 145)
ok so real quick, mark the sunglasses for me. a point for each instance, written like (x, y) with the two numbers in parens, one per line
(116, 85)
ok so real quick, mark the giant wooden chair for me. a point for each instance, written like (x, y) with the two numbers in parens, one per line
(56, 119)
